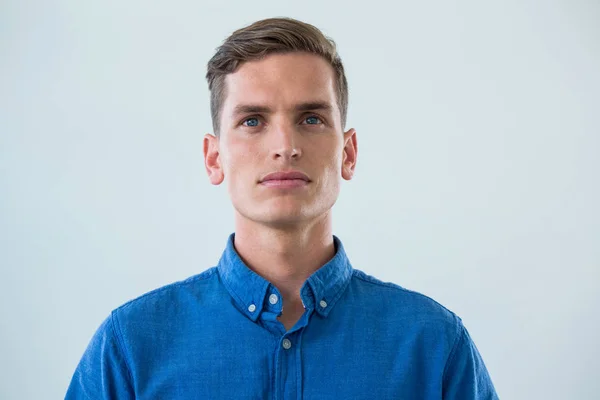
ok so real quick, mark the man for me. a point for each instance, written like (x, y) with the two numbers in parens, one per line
(283, 315)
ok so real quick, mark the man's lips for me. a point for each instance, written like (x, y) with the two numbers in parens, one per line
(285, 179)
(284, 176)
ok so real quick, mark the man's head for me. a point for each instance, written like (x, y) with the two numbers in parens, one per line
(269, 36)
(278, 102)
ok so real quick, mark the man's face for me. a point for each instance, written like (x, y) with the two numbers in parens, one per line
(280, 114)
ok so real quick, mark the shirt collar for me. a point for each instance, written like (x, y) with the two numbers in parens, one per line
(321, 290)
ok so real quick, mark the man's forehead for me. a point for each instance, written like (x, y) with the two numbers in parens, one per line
(291, 78)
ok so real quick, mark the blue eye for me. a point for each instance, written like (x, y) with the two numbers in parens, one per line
(251, 122)
(313, 120)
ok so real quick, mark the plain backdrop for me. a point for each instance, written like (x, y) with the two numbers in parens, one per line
(477, 181)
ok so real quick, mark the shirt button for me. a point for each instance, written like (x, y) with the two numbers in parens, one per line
(273, 298)
(251, 308)
(286, 344)
(323, 303)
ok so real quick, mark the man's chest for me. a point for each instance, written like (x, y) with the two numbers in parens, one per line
(290, 367)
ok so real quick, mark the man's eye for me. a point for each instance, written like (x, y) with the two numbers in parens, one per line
(251, 122)
(312, 120)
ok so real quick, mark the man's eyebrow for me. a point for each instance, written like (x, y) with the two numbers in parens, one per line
(314, 105)
(257, 108)
(250, 108)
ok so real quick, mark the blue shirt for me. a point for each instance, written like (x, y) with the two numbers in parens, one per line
(216, 335)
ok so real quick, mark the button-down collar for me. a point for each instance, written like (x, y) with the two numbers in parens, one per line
(320, 291)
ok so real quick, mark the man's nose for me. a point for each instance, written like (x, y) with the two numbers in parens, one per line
(285, 142)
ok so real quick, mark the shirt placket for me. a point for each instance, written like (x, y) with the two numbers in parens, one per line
(288, 362)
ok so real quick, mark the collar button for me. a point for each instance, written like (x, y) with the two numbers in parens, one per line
(273, 299)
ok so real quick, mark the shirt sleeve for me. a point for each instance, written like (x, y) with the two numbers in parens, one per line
(102, 372)
(465, 374)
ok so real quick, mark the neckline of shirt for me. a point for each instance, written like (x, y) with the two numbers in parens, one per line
(250, 291)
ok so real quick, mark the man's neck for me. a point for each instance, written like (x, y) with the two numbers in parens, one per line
(286, 258)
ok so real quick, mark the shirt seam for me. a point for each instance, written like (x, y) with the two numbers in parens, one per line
(299, 366)
(118, 335)
(459, 336)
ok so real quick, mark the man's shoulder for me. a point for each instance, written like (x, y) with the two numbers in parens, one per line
(402, 301)
(172, 296)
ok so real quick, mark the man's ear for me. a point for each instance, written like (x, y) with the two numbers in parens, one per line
(350, 154)
(212, 160)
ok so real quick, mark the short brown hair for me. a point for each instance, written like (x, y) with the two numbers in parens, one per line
(267, 36)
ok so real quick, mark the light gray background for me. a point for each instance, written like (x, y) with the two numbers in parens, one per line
(477, 177)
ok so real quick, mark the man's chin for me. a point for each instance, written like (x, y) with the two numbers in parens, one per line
(279, 214)
(283, 220)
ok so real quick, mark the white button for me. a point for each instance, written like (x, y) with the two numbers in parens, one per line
(251, 308)
(323, 303)
(273, 298)
(287, 344)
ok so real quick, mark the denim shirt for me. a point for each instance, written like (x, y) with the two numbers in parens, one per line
(216, 335)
